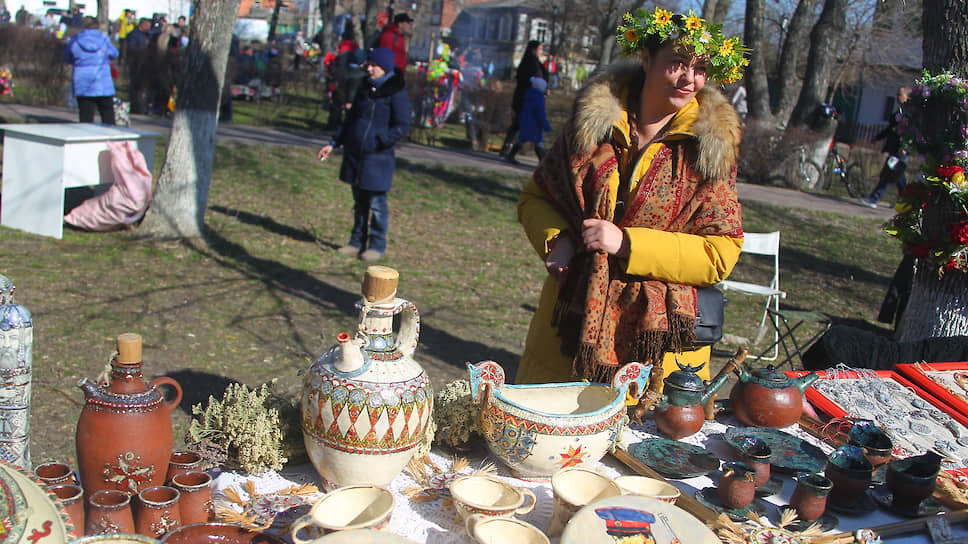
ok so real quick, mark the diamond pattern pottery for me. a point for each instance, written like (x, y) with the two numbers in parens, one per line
(124, 433)
(541, 428)
(674, 459)
(789, 453)
(850, 472)
(366, 402)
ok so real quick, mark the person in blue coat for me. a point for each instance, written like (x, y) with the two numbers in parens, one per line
(532, 121)
(379, 117)
(91, 53)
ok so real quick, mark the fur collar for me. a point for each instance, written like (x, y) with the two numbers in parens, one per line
(717, 128)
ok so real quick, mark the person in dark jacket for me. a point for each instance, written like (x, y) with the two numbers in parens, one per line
(533, 121)
(896, 162)
(379, 117)
(529, 67)
(91, 53)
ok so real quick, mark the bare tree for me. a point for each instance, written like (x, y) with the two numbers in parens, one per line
(715, 11)
(797, 34)
(939, 307)
(103, 19)
(181, 195)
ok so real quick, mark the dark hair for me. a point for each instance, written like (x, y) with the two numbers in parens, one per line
(653, 43)
(532, 46)
(348, 32)
(90, 22)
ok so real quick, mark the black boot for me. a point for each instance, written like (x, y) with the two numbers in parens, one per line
(514, 151)
(540, 151)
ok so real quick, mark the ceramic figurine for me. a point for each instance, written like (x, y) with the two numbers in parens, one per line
(768, 398)
(16, 360)
(541, 428)
(366, 403)
(124, 434)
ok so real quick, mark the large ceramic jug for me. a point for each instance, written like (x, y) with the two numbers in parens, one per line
(16, 360)
(124, 433)
(366, 402)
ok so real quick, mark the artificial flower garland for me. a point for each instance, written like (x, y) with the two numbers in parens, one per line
(942, 182)
(726, 55)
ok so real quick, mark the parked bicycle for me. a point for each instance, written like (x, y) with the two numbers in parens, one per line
(804, 172)
(852, 175)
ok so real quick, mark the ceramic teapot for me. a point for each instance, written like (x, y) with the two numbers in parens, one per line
(765, 397)
(680, 411)
(366, 402)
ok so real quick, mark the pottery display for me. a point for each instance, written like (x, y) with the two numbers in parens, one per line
(182, 461)
(16, 362)
(877, 445)
(157, 511)
(115, 539)
(366, 403)
(109, 512)
(737, 487)
(71, 497)
(674, 459)
(487, 495)
(488, 530)
(912, 479)
(541, 428)
(790, 454)
(54, 473)
(195, 496)
(343, 509)
(124, 434)
(638, 519)
(765, 397)
(573, 488)
(369, 536)
(222, 533)
(756, 453)
(648, 487)
(883, 496)
(681, 410)
(809, 498)
(28, 508)
(850, 472)
(709, 497)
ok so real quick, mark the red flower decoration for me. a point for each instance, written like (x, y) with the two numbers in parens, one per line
(950, 265)
(959, 232)
(919, 251)
(948, 171)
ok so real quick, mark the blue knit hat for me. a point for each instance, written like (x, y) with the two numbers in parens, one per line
(382, 57)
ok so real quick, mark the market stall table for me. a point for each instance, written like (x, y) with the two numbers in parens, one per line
(41, 161)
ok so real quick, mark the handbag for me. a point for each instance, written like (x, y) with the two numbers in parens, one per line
(710, 304)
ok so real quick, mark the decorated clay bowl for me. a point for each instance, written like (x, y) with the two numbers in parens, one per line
(115, 539)
(850, 472)
(217, 533)
(877, 446)
(538, 429)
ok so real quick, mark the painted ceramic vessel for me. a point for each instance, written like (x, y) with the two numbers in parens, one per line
(767, 398)
(850, 472)
(912, 479)
(16, 361)
(29, 512)
(539, 429)
(366, 403)
(736, 488)
(868, 436)
(124, 433)
(809, 498)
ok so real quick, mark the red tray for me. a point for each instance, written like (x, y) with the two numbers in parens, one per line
(936, 393)
(829, 407)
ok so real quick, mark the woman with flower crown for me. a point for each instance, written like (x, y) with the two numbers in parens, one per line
(635, 205)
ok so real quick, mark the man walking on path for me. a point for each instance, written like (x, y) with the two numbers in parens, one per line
(393, 37)
(896, 162)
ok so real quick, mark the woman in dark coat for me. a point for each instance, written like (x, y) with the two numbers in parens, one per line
(530, 66)
(379, 117)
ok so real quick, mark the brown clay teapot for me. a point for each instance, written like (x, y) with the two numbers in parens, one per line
(765, 397)
(124, 434)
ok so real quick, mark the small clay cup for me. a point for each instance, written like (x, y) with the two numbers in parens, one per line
(157, 511)
(912, 479)
(573, 488)
(648, 487)
(195, 502)
(487, 495)
(109, 511)
(55, 474)
(737, 488)
(809, 498)
(346, 508)
(487, 529)
(757, 454)
(850, 472)
(877, 446)
(182, 461)
(72, 497)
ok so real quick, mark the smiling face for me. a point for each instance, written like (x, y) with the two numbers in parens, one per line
(375, 71)
(673, 76)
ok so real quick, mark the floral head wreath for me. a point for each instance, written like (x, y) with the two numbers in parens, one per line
(726, 55)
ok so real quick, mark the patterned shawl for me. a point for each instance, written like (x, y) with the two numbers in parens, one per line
(605, 316)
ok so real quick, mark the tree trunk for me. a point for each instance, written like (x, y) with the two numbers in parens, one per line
(796, 40)
(274, 21)
(939, 307)
(821, 60)
(103, 19)
(369, 23)
(181, 194)
(757, 89)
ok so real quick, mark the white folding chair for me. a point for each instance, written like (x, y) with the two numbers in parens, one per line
(767, 244)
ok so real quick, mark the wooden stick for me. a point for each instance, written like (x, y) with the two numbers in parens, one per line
(897, 528)
(684, 501)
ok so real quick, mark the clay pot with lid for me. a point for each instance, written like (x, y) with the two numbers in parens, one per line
(124, 435)
(765, 397)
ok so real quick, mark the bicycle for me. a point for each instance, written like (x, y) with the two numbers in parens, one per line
(850, 174)
(807, 171)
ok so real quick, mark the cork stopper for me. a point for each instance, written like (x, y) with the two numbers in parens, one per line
(380, 283)
(129, 348)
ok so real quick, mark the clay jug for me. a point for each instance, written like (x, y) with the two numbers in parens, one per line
(124, 434)
(16, 361)
(366, 402)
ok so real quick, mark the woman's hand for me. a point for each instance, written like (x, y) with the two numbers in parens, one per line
(598, 234)
(562, 251)
(324, 152)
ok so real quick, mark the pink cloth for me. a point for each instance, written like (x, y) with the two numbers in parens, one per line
(126, 201)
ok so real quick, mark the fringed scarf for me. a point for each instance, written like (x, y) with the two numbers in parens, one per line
(604, 316)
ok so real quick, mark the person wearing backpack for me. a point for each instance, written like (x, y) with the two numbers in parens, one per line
(393, 38)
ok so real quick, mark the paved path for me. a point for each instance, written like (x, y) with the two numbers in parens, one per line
(13, 113)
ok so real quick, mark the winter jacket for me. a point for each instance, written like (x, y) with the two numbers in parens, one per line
(710, 129)
(91, 53)
(380, 116)
(393, 39)
(533, 122)
(529, 67)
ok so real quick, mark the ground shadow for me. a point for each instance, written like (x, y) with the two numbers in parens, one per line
(198, 386)
(267, 223)
(468, 180)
